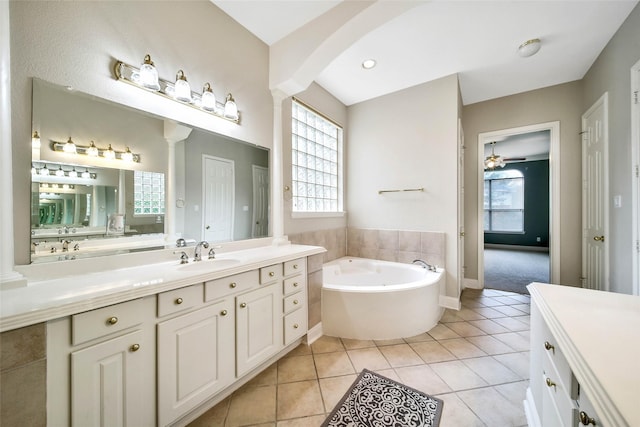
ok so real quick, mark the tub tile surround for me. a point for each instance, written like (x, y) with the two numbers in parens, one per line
(480, 376)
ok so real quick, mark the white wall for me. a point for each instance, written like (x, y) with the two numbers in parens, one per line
(611, 73)
(77, 44)
(407, 139)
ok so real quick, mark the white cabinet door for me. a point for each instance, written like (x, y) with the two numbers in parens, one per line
(107, 382)
(259, 327)
(195, 359)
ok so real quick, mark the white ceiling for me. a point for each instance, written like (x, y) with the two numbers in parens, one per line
(477, 39)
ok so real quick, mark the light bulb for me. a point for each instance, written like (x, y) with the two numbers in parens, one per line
(34, 171)
(44, 171)
(86, 174)
(182, 88)
(149, 74)
(208, 98)
(92, 150)
(60, 172)
(73, 173)
(127, 156)
(35, 140)
(109, 153)
(230, 108)
(69, 147)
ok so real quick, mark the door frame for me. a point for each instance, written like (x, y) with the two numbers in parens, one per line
(635, 171)
(604, 102)
(554, 192)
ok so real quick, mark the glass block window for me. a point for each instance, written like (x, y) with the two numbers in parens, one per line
(504, 201)
(148, 193)
(316, 159)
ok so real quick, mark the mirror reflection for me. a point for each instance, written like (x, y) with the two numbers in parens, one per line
(89, 204)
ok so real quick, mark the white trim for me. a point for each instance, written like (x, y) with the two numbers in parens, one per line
(530, 411)
(296, 215)
(449, 302)
(314, 333)
(554, 190)
(472, 284)
(635, 180)
(604, 101)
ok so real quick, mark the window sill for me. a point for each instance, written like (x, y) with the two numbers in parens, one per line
(300, 215)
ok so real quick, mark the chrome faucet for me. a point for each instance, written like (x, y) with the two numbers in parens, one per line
(181, 243)
(184, 258)
(198, 252)
(424, 264)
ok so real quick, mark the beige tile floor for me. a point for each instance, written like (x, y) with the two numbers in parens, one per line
(476, 360)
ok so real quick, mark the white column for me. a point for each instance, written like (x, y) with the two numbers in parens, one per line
(7, 255)
(122, 192)
(277, 163)
(170, 192)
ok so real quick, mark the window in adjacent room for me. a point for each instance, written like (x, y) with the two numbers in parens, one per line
(148, 193)
(316, 158)
(504, 201)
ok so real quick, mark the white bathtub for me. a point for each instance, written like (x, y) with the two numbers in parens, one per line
(367, 299)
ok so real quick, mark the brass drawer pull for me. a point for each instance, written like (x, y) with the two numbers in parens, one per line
(585, 419)
(271, 274)
(295, 302)
(550, 383)
(233, 285)
(295, 326)
(243, 305)
(112, 320)
(223, 313)
(549, 346)
(295, 284)
(179, 301)
(135, 347)
(295, 266)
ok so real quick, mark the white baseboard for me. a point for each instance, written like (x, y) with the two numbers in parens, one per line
(471, 284)
(530, 410)
(449, 302)
(314, 333)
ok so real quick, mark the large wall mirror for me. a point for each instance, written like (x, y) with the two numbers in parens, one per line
(85, 205)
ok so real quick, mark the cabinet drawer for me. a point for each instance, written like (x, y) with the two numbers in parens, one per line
(292, 284)
(554, 353)
(295, 266)
(179, 300)
(558, 392)
(216, 289)
(104, 321)
(294, 302)
(271, 273)
(295, 326)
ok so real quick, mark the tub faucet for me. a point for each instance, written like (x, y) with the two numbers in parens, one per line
(424, 264)
(198, 252)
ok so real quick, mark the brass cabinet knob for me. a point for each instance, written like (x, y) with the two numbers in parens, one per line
(243, 305)
(549, 346)
(223, 313)
(295, 302)
(233, 284)
(295, 326)
(550, 383)
(135, 347)
(598, 238)
(271, 274)
(179, 301)
(295, 266)
(295, 284)
(112, 320)
(585, 419)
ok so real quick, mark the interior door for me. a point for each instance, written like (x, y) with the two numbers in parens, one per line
(595, 241)
(218, 199)
(260, 227)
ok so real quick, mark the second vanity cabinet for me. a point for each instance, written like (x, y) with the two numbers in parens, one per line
(154, 360)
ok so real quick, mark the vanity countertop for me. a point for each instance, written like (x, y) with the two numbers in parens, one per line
(46, 299)
(598, 332)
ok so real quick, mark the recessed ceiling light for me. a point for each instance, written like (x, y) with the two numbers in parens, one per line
(529, 48)
(368, 64)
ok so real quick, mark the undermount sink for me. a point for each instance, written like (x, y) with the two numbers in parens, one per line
(209, 264)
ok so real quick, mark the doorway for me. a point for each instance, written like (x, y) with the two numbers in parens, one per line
(509, 224)
(218, 197)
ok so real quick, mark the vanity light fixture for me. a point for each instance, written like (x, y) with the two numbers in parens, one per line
(109, 154)
(86, 174)
(73, 173)
(178, 90)
(44, 171)
(230, 108)
(93, 151)
(149, 74)
(208, 98)
(34, 170)
(69, 147)
(60, 172)
(35, 140)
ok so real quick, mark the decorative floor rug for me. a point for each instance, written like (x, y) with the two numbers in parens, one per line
(374, 400)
